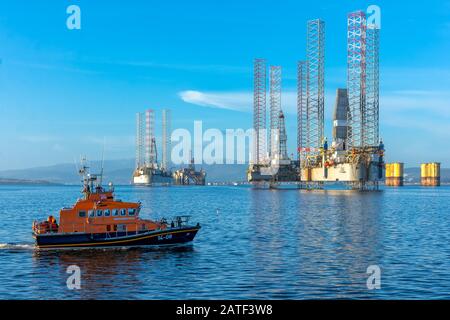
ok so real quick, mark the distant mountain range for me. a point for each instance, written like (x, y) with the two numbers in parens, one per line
(120, 172)
(25, 182)
(117, 171)
(412, 175)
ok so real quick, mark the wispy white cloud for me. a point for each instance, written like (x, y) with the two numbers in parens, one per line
(240, 100)
(437, 101)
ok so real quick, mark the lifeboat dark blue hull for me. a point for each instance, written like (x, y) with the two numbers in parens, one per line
(116, 239)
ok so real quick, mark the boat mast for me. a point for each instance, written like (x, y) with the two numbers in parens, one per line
(84, 173)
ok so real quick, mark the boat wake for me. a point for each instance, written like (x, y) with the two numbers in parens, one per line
(16, 246)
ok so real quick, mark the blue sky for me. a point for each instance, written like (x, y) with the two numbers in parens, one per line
(63, 92)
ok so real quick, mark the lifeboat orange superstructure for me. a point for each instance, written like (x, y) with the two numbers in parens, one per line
(100, 213)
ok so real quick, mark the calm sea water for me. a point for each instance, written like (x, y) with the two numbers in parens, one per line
(254, 244)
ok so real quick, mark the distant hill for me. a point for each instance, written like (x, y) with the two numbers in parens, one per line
(68, 174)
(412, 175)
(24, 182)
(117, 171)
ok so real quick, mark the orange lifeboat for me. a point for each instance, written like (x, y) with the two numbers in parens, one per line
(100, 220)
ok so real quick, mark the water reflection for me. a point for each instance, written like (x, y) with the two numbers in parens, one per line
(359, 237)
(103, 271)
(271, 241)
(339, 239)
(327, 238)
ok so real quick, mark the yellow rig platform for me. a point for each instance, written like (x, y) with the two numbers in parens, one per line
(430, 174)
(394, 174)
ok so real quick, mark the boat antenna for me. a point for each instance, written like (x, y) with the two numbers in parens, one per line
(103, 162)
(76, 165)
(82, 171)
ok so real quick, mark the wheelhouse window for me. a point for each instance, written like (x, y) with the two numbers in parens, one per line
(107, 212)
(99, 213)
(131, 212)
(123, 212)
(91, 213)
(115, 212)
(82, 214)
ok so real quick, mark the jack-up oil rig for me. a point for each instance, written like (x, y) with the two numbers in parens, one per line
(189, 175)
(148, 171)
(273, 166)
(355, 156)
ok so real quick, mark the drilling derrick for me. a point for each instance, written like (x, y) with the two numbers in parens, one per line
(140, 140)
(302, 120)
(371, 124)
(166, 143)
(363, 96)
(259, 112)
(356, 77)
(315, 55)
(275, 108)
(363, 81)
(154, 153)
(150, 137)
